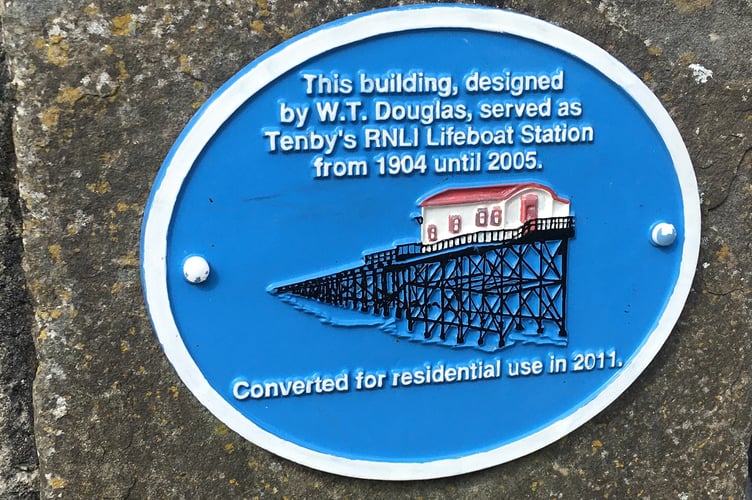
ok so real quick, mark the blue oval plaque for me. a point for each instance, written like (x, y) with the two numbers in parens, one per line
(420, 242)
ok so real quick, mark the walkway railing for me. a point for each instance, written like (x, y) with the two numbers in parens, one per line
(482, 237)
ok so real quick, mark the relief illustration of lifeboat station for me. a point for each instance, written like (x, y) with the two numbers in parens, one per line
(491, 261)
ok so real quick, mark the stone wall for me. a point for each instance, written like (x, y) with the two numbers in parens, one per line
(18, 460)
(103, 88)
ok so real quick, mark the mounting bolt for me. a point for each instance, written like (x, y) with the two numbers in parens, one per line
(195, 269)
(663, 234)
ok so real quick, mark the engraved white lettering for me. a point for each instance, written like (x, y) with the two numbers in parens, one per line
(412, 82)
(304, 141)
(316, 384)
(557, 134)
(296, 114)
(318, 84)
(423, 112)
(406, 122)
(514, 109)
(469, 136)
(515, 85)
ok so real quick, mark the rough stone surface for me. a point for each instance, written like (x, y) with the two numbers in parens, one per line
(103, 89)
(18, 458)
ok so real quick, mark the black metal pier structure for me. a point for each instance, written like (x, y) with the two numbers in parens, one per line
(467, 288)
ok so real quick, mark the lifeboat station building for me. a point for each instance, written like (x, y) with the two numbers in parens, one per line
(491, 259)
(457, 212)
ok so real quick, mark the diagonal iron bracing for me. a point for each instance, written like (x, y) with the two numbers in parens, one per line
(478, 286)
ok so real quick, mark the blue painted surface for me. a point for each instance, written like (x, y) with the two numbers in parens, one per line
(261, 218)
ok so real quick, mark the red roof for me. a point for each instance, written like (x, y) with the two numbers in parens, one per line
(499, 192)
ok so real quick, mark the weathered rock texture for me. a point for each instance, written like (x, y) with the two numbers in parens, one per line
(18, 459)
(103, 88)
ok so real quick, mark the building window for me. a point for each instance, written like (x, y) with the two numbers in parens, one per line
(432, 236)
(481, 217)
(455, 224)
(529, 207)
(496, 216)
